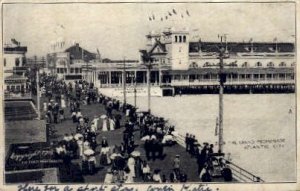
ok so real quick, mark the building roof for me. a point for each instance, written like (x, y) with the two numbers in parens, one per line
(242, 47)
(78, 53)
(25, 131)
(16, 49)
(15, 77)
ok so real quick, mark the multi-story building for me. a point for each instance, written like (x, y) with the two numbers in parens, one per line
(14, 61)
(183, 64)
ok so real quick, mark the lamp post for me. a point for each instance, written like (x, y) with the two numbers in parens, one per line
(223, 53)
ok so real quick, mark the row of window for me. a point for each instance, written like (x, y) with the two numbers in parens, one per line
(72, 70)
(236, 76)
(244, 65)
(180, 38)
(17, 62)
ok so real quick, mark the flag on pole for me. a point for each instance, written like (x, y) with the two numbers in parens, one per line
(15, 42)
(275, 39)
(166, 17)
(153, 17)
(251, 39)
(181, 15)
(170, 14)
(174, 11)
(150, 19)
(187, 12)
(161, 19)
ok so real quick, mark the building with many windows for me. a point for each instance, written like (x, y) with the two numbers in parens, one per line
(187, 65)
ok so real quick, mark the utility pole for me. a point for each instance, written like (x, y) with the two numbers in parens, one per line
(38, 93)
(222, 78)
(124, 82)
(135, 92)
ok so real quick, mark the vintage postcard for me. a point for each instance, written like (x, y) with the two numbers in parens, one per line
(149, 95)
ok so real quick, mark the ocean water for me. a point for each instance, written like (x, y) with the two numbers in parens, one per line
(259, 129)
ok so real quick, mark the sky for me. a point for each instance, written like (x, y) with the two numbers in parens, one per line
(118, 30)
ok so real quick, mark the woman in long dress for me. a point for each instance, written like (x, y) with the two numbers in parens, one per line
(105, 124)
(131, 163)
(112, 124)
(80, 147)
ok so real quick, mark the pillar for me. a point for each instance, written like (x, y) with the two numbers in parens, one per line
(109, 78)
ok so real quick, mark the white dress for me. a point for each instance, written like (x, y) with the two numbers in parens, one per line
(63, 103)
(80, 147)
(45, 106)
(104, 126)
(130, 164)
(96, 121)
(112, 124)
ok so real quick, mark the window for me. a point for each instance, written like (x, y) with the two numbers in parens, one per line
(270, 64)
(57, 70)
(245, 65)
(17, 62)
(180, 38)
(23, 61)
(76, 70)
(282, 64)
(184, 38)
(176, 39)
(72, 70)
(258, 64)
(293, 64)
(4, 61)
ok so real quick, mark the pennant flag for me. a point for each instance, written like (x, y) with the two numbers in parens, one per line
(174, 11)
(166, 17)
(62, 26)
(181, 15)
(150, 19)
(170, 14)
(15, 42)
(275, 39)
(247, 48)
(153, 17)
(187, 12)
(161, 19)
(251, 39)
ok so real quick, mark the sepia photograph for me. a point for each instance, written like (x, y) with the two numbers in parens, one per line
(149, 92)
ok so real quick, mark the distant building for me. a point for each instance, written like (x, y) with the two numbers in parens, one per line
(14, 61)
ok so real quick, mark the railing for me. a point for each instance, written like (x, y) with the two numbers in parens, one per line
(238, 173)
(232, 82)
(17, 96)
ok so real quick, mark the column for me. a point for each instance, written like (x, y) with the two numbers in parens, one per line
(109, 78)
(160, 77)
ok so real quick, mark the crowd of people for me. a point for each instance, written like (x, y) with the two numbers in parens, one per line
(124, 163)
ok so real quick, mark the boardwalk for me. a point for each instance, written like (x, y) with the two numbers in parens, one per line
(188, 164)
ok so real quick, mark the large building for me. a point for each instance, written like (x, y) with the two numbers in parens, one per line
(181, 63)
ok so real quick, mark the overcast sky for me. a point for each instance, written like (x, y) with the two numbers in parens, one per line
(119, 30)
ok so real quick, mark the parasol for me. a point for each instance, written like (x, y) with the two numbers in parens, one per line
(103, 116)
(175, 133)
(78, 136)
(113, 156)
(89, 152)
(147, 137)
(136, 154)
